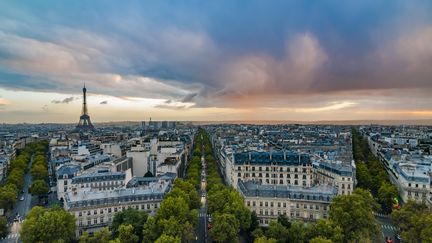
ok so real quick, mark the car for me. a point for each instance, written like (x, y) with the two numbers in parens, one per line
(22, 198)
(389, 240)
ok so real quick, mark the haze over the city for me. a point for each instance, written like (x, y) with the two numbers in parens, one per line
(215, 60)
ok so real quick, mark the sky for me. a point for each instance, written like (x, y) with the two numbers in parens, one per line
(215, 60)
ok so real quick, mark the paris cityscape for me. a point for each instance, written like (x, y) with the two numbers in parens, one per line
(215, 121)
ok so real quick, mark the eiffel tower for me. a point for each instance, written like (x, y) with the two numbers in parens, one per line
(84, 123)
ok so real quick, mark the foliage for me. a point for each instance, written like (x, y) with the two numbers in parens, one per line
(3, 227)
(371, 174)
(225, 228)
(39, 187)
(353, 214)
(132, 217)
(48, 225)
(414, 221)
(126, 234)
(264, 239)
(101, 236)
(168, 239)
(320, 239)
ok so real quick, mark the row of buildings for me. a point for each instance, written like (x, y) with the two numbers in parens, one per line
(287, 170)
(406, 152)
(98, 173)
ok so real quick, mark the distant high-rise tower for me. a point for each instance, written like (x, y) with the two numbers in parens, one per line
(84, 122)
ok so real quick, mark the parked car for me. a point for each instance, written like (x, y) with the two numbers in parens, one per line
(22, 198)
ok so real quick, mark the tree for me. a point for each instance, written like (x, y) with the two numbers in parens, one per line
(277, 231)
(126, 234)
(254, 222)
(173, 207)
(48, 225)
(150, 231)
(320, 239)
(326, 228)
(225, 228)
(101, 236)
(8, 195)
(39, 187)
(264, 239)
(39, 172)
(298, 232)
(414, 220)
(353, 213)
(170, 227)
(168, 239)
(4, 231)
(132, 217)
(386, 193)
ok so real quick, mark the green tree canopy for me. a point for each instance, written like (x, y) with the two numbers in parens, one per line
(353, 213)
(168, 239)
(48, 225)
(132, 217)
(4, 231)
(225, 228)
(39, 187)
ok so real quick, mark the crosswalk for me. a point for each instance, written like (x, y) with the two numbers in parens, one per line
(204, 215)
(11, 236)
(389, 227)
(381, 215)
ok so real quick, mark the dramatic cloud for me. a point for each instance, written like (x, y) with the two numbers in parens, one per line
(304, 57)
(189, 97)
(64, 101)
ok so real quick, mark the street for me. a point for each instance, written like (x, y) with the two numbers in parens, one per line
(202, 233)
(387, 227)
(20, 209)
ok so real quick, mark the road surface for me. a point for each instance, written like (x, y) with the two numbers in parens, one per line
(387, 227)
(202, 233)
(21, 209)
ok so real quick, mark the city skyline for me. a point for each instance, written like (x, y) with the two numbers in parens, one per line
(215, 61)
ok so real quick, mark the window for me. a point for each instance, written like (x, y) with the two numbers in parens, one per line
(239, 174)
(109, 210)
(266, 204)
(271, 204)
(80, 214)
(281, 182)
(248, 203)
(279, 204)
(95, 220)
(295, 182)
(304, 177)
(253, 203)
